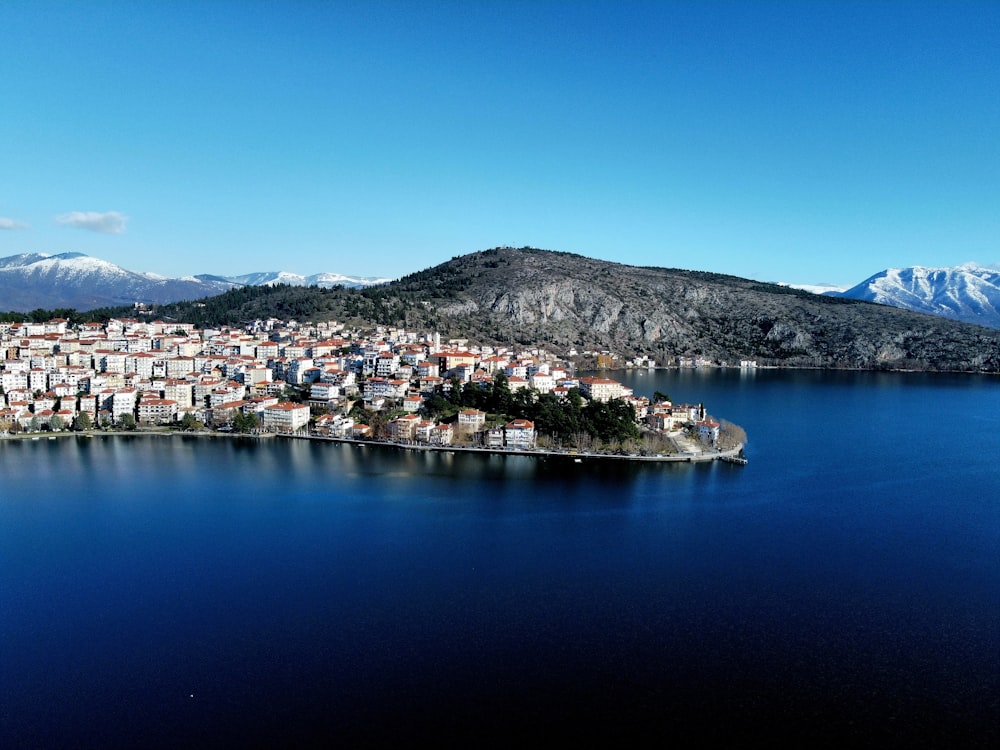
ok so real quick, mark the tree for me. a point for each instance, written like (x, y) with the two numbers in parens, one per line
(731, 435)
(245, 422)
(127, 422)
(455, 392)
(83, 421)
(500, 396)
(56, 423)
(661, 396)
(189, 422)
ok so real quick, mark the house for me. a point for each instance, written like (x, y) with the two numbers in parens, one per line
(157, 410)
(542, 382)
(449, 360)
(471, 420)
(335, 425)
(403, 428)
(516, 383)
(376, 388)
(412, 403)
(324, 392)
(123, 402)
(386, 364)
(181, 391)
(285, 417)
(708, 430)
(441, 434)
(429, 382)
(601, 389)
(519, 434)
(224, 413)
(423, 431)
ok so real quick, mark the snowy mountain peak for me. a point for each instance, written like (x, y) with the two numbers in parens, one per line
(33, 280)
(75, 280)
(326, 280)
(969, 292)
(23, 259)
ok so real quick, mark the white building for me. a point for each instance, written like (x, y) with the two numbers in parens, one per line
(122, 403)
(157, 410)
(601, 389)
(471, 420)
(519, 434)
(286, 417)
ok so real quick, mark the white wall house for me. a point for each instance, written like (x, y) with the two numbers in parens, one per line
(601, 389)
(286, 417)
(519, 434)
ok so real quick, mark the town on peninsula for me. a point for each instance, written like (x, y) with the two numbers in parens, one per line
(328, 381)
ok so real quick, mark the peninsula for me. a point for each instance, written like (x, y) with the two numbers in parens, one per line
(333, 382)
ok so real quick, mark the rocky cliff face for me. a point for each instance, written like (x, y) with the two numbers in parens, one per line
(529, 295)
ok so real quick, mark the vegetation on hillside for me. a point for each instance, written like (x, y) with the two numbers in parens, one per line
(566, 422)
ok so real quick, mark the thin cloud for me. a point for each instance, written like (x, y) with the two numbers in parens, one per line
(6, 223)
(109, 222)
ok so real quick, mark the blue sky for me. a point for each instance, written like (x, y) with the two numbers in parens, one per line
(804, 142)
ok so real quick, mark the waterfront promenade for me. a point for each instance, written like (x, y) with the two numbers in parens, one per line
(691, 454)
(688, 452)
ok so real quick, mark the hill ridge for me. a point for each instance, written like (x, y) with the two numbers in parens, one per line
(527, 296)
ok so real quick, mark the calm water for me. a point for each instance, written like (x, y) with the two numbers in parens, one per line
(844, 588)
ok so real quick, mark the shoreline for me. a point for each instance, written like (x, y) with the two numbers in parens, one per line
(573, 455)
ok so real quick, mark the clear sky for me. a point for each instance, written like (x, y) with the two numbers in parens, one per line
(804, 142)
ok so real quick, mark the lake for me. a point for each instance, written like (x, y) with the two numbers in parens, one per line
(841, 589)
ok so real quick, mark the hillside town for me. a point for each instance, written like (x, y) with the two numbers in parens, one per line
(324, 380)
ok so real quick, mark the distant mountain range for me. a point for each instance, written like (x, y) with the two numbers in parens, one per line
(74, 280)
(325, 280)
(969, 292)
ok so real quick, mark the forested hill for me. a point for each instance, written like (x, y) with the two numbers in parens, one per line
(562, 300)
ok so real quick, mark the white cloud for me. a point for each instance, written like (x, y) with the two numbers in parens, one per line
(6, 223)
(109, 222)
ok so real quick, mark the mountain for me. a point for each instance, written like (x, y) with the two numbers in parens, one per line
(831, 289)
(24, 259)
(969, 293)
(74, 280)
(325, 280)
(564, 301)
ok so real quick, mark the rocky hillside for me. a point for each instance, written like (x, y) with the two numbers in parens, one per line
(525, 296)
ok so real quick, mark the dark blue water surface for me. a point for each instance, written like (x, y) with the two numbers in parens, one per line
(842, 589)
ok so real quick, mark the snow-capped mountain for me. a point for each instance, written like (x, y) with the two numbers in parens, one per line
(31, 280)
(970, 293)
(830, 289)
(326, 280)
(73, 280)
